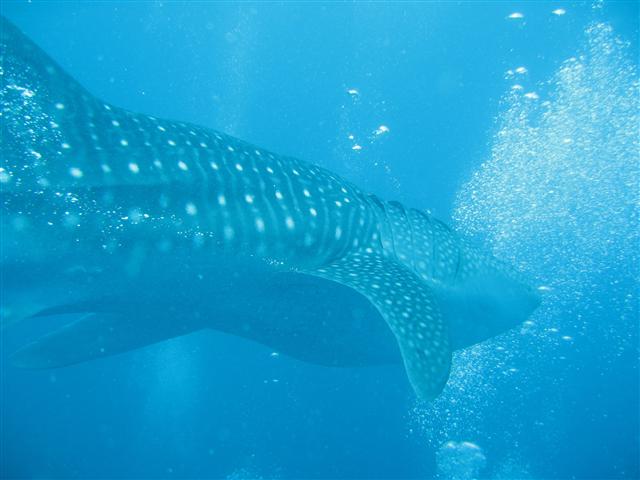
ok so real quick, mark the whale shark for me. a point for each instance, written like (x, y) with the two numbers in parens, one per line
(137, 229)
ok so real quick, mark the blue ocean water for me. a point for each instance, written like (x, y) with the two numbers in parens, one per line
(517, 122)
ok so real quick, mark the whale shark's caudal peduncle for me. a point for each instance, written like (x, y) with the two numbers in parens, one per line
(110, 215)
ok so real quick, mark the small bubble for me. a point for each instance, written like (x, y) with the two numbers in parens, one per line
(4, 176)
(191, 209)
(381, 129)
(75, 172)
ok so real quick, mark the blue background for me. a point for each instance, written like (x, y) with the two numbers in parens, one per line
(277, 75)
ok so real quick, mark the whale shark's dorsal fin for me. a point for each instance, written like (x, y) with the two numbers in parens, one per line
(410, 309)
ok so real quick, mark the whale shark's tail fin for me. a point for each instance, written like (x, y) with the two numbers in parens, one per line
(409, 308)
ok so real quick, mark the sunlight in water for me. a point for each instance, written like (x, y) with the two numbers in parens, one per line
(558, 198)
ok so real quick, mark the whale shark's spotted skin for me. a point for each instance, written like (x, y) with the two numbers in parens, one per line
(240, 195)
(124, 212)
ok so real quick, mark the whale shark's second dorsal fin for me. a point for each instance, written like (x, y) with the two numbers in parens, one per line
(410, 309)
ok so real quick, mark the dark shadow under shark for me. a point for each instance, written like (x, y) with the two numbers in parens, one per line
(146, 229)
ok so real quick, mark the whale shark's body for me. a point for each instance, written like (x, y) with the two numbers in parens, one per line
(146, 229)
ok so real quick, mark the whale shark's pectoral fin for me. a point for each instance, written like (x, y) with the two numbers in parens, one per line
(94, 335)
(410, 309)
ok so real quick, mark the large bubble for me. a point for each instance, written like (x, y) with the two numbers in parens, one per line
(459, 460)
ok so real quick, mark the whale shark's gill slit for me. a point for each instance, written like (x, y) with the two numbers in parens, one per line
(432, 230)
(412, 240)
(386, 230)
(401, 229)
(347, 230)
